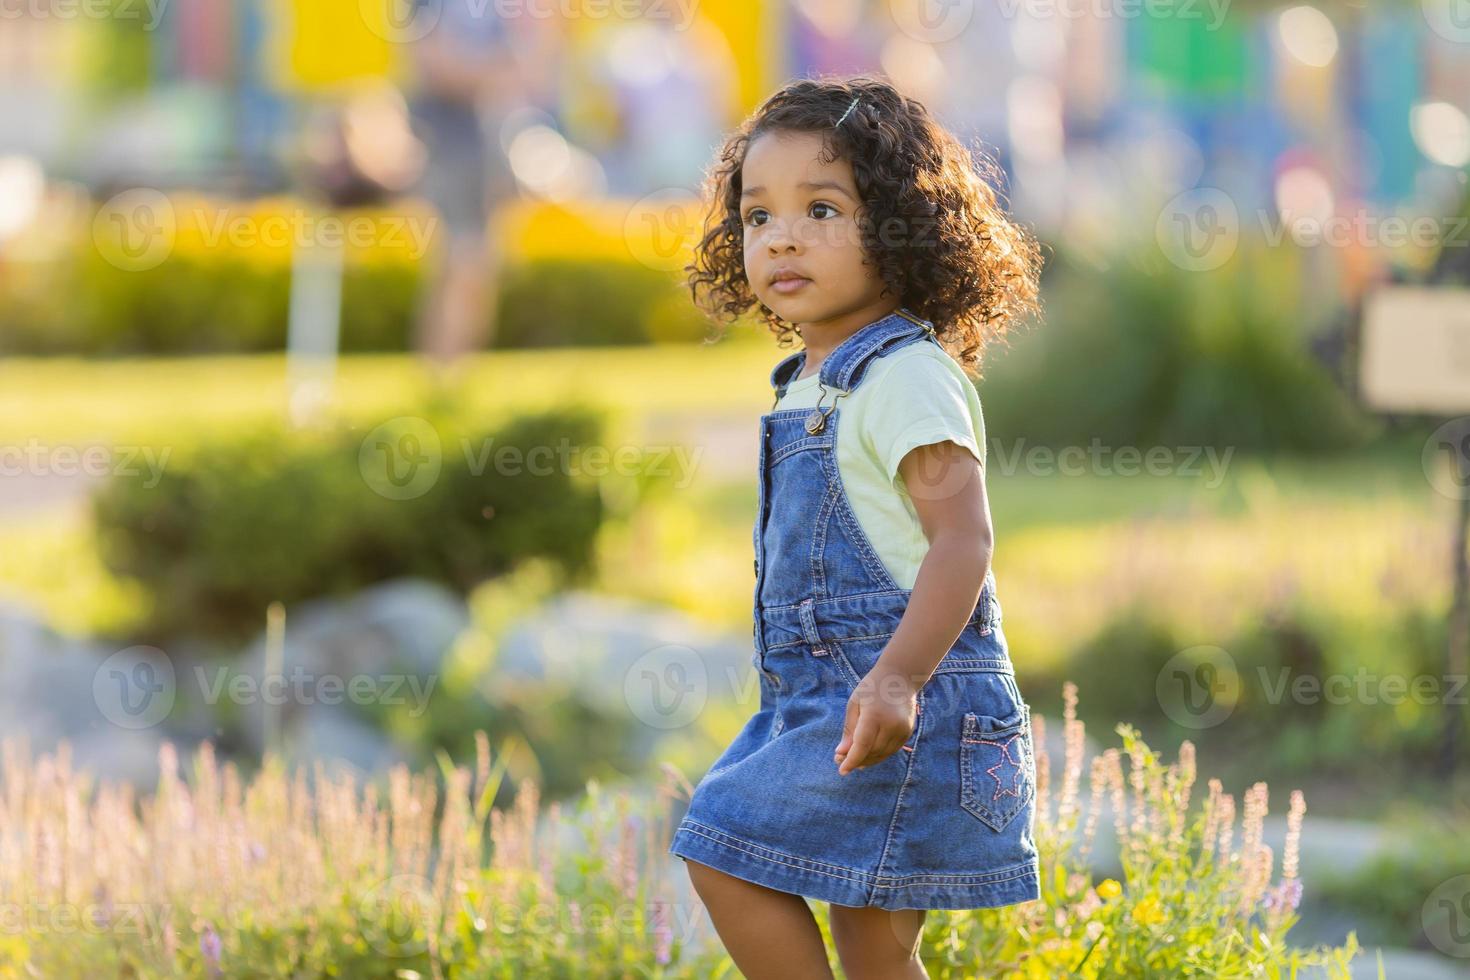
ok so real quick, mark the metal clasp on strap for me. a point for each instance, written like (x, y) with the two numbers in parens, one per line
(928, 327)
(817, 420)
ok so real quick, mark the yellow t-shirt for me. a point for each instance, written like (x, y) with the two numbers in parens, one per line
(915, 396)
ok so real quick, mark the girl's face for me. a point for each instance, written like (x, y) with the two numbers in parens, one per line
(803, 248)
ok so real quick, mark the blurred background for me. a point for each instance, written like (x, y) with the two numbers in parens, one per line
(293, 293)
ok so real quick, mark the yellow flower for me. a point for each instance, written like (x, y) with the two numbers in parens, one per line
(1148, 912)
(1109, 888)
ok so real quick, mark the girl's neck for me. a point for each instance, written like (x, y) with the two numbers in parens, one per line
(822, 337)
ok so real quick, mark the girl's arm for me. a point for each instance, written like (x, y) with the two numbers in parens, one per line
(947, 486)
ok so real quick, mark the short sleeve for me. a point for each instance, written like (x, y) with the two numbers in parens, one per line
(918, 402)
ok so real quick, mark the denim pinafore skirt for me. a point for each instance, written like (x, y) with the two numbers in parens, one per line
(944, 823)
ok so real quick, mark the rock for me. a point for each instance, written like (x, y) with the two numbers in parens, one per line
(342, 743)
(53, 688)
(421, 619)
(649, 670)
(119, 755)
(600, 644)
(342, 658)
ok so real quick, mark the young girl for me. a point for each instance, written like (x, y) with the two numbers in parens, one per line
(888, 770)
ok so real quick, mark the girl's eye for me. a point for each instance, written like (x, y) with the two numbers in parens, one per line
(822, 206)
(755, 216)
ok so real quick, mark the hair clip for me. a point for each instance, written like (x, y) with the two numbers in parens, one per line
(849, 110)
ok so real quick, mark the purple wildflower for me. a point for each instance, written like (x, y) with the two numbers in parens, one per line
(211, 946)
(1286, 894)
(663, 933)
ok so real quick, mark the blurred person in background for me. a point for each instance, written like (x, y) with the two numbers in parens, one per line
(474, 68)
(640, 73)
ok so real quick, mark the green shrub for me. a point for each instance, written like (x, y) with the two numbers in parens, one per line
(569, 302)
(1117, 667)
(189, 305)
(275, 515)
(234, 301)
(1144, 354)
(185, 305)
(1330, 726)
(1356, 705)
(221, 282)
(194, 305)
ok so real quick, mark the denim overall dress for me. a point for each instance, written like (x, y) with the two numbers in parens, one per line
(944, 823)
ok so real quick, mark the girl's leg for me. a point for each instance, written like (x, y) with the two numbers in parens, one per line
(877, 944)
(769, 934)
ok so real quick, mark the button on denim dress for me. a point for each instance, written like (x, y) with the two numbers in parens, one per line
(944, 823)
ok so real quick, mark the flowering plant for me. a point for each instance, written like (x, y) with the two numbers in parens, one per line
(1193, 901)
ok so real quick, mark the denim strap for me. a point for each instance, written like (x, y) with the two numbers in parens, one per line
(845, 366)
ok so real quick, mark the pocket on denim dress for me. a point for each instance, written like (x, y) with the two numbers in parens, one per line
(997, 769)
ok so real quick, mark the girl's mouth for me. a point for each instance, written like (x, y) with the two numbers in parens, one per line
(787, 286)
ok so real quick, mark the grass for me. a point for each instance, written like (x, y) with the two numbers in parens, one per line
(160, 401)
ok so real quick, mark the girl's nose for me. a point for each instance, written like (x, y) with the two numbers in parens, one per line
(780, 239)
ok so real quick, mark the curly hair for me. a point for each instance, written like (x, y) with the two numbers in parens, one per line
(962, 264)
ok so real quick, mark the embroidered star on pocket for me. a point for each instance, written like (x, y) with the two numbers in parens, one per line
(1006, 762)
(998, 747)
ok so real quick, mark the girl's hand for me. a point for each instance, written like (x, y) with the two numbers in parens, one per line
(881, 714)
